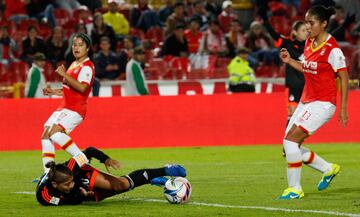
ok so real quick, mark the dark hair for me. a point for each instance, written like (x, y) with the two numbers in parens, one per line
(31, 27)
(322, 13)
(85, 38)
(105, 38)
(214, 21)
(58, 173)
(297, 24)
(139, 50)
(179, 4)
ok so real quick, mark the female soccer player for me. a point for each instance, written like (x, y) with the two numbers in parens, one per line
(69, 184)
(323, 61)
(77, 82)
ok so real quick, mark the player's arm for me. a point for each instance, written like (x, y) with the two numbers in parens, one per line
(48, 91)
(92, 152)
(344, 86)
(285, 57)
(72, 82)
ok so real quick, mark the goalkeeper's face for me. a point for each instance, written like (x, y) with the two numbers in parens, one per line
(65, 186)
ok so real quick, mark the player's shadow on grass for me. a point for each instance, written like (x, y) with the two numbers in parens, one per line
(337, 191)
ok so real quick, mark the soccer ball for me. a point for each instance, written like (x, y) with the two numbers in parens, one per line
(177, 190)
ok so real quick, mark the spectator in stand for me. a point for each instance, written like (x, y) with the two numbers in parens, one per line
(338, 24)
(69, 5)
(116, 20)
(148, 18)
(226, 16)
(336, 20)
(106, 64)
(201, 14)
(234, 39)
(213, 8)
(193, 36)
(85, 16)
(2, 12)
(92, 5)
(8, 47)
(135, 77)
(56, 46)
(125, 54)
(295, 3)
(35, 81)
(15, 10)
(188, 7)
(355, 70)
(261, 44)
(355, 66)
(165, 11)
(175, 18)
(42, 10)
(176, 44)
(245, 11)
(137, 10)
(212, 41)
(32, 44)
(100, 30)
(106, 61)
(242, 76)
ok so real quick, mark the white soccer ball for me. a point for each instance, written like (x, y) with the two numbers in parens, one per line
(177, 190)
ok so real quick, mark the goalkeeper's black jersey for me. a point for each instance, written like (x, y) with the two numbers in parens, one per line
(293, 78)
(83, 177)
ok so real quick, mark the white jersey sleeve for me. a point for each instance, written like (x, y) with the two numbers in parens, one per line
(85, 74)
(337, 59)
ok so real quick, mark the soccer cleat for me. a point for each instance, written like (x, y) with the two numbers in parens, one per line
(292, 193)
(175, 170)
(328, 177)
(159, 181)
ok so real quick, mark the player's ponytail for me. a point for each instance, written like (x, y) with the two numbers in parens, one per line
(322, 13)
(58, 172)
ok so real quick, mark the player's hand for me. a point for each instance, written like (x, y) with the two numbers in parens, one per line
(61, 70)
(284, 55)
(343, 117)
(86, 193)
(111, 163)
(47, 91)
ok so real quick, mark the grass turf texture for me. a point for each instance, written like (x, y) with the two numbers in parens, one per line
(237, 176)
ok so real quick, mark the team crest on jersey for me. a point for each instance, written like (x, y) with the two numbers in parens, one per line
(323, 51)
(76, 71)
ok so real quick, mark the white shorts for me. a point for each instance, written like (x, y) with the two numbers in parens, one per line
(311, 116)
(65, 118)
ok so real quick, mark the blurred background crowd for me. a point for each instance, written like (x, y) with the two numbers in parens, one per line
(189, 39)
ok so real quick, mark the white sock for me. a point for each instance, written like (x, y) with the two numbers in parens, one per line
(48, 152)
(293, 158)
(314, 161)
(70, 147)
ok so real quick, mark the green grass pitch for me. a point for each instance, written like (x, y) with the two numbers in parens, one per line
(227, 181)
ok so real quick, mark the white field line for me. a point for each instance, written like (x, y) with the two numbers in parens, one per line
(239, 206)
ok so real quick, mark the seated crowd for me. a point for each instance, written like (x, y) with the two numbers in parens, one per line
(190, 35)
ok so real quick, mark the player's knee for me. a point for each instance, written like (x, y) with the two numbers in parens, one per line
(55, 129)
